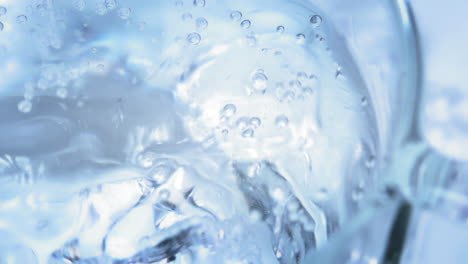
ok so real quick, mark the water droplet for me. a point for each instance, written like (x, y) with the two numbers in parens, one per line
(194, 38)
(245, 24)
(21, 19)
(236, 15)
(255, 122)
(199, 3)
(25, 106)
(248, 133)
(111, 4)
(201, 23)
(164, 194)
(242, 123)
(186, 16)
(316, 20)
(62, 92)
(3, 10)
(1, 26)
(370, 162)
(280, 29)
(300, 38)
(281, 121)
(228, 110)
(79, 5)
(124, 13)
(259, 81)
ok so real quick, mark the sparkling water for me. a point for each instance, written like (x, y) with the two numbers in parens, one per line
(177, 132)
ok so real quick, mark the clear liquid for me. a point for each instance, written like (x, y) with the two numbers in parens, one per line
(178, 131)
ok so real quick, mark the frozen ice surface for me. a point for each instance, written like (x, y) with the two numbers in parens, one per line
(176, 131)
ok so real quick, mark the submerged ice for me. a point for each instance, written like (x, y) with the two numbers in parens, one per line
(177, 132)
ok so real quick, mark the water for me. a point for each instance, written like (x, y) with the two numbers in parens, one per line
(196, 139)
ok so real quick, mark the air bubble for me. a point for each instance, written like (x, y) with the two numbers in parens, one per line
(357, 193)
(364, 101)
(248, 133)
(111, 4)
(162, 171)
(21, 19)
(370, 162)
(278, 195)
(3, 10)
(302, 76)
(194, 38)
(186, 16)
(164, 194)
(124, 13)
(201, 23)
(339, 74)
(259, 81)
(62, 92)
(228, 110)
(242, 122)
(79, 5)
(146, 159)
(316, 20)
(251, 40)
(281, 121)
(25, 106)
(101, 9)
(245, 24)
(280, 29)
(255, 122)
(42, 9)
(236, 15)
(300, 38)
(199, 3)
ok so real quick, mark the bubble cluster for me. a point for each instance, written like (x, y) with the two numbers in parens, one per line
(194, 38)
(236, 15)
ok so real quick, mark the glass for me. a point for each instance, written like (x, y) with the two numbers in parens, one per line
(209, 131)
